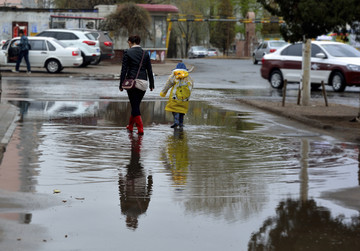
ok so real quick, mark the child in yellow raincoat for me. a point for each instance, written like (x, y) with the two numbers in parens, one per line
(181, 85)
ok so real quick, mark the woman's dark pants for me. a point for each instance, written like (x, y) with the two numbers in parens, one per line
(135, 96)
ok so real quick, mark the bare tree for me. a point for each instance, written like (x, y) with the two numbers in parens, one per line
(129, 18)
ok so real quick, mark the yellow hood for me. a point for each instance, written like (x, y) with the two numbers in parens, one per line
(180, 74)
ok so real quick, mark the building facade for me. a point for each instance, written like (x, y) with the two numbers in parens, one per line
(35, 20)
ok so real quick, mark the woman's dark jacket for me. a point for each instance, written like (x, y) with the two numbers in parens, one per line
(130, 65)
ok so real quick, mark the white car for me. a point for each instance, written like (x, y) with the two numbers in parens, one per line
(333, 63)
(197, 52)
(44, 52)
(85, 41)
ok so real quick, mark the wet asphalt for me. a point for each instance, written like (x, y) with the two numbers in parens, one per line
(230, 177)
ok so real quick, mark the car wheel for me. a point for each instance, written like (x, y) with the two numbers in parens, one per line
(254, 60)
(338, 82)
(96, 61)
(276, 79)
(84, 63)
(53, 66)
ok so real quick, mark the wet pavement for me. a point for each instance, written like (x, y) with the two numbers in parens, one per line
(235, 178)
(211, 186)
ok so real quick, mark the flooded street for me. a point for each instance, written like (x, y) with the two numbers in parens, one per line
(234, 178)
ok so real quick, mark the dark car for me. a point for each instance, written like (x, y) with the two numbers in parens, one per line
(334, 63)
(105, 42)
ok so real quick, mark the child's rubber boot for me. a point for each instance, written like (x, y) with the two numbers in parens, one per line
(176, 120)
(130, 126)
(181, 120)
(139, 125)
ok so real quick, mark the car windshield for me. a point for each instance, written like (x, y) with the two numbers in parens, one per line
(199, 48)
(341, 50)
(277, 44)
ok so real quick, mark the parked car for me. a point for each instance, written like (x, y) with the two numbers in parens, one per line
(105, 42)
(197, 52)
(336, 64)
(85, 41)
(267, 47)
(212, 52)
(45, 52)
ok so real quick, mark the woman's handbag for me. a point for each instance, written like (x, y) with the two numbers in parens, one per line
(130, 83)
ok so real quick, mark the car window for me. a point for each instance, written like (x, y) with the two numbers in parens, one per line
(107, 37)
(66, 36)
(293, 50)
(59, 43)
(315, 49)
(341, 50)
(95, 35)
(50, 46)
(90, 36)
(38, 45)
(264, 46)
(199, 48)
(278, 44)
(46, 34)
(4, 47)
(14, 43)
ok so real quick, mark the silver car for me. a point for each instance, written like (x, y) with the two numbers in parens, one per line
(197, 52)
(267, 47)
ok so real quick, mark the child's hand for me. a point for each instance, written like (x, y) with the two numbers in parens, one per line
(162, 94)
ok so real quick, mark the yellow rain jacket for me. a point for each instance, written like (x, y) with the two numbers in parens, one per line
(182, 85)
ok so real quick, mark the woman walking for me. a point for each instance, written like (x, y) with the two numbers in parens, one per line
(130, 65)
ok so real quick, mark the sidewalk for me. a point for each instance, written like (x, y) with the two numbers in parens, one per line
(334, 119)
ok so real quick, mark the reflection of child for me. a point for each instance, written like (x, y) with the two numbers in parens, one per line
(182, 85)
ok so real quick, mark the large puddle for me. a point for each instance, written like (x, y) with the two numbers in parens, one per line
(231, 180)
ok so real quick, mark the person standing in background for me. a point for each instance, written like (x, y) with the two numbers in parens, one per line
(24, 47)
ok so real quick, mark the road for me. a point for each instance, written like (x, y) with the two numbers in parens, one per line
(212, 186)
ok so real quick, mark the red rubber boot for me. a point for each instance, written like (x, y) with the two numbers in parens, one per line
(139, 125)
(130, 126)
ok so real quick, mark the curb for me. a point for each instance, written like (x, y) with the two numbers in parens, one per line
(340, 131)
(9, 131)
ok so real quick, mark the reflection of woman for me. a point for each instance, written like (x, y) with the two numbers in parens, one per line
(177, 154)
(135, 188)
(130, 66)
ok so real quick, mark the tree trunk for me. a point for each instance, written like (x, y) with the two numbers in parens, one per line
(306, 66)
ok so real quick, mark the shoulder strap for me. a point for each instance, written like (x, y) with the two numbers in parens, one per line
(137, 74)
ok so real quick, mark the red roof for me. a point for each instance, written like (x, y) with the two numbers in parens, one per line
(159, 7)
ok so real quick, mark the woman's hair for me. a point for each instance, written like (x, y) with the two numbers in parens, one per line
(21, 32)
(134, 39)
